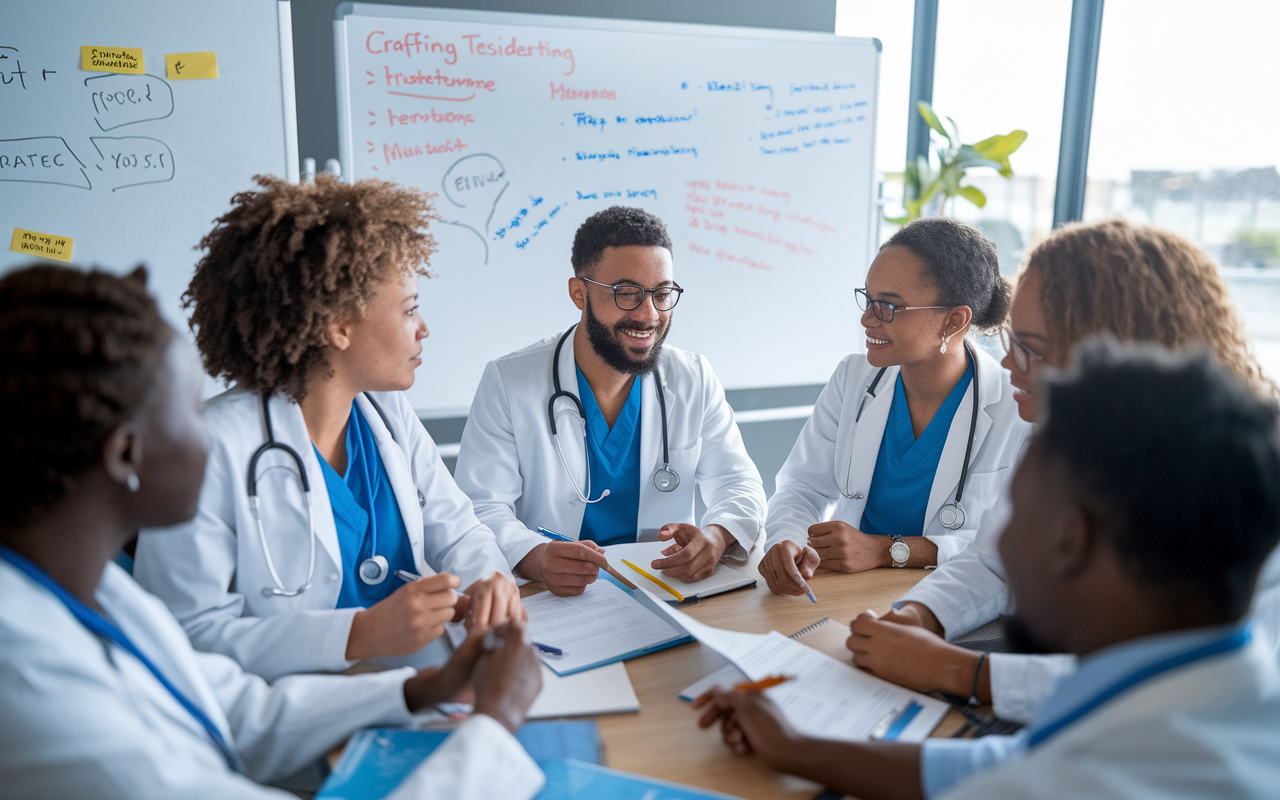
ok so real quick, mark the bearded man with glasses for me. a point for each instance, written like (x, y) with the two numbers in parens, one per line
(600, 435)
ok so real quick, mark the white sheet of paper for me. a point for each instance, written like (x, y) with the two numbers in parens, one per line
(642, 554)
(603, 690)
(599, 625)
(825, 697)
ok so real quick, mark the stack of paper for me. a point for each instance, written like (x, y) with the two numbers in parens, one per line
(643, 554)
(825, 697)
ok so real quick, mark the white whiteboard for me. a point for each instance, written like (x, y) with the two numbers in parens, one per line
(141, 179)
(756, 147)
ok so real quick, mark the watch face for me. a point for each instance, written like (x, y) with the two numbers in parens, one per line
(900, 552)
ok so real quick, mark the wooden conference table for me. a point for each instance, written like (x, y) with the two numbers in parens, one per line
(663, 741)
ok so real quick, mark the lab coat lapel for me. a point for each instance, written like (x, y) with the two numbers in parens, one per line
(291, 429)
(855, 470)
(396, 464)
(647, 522)
(947, 476)
(573, 442)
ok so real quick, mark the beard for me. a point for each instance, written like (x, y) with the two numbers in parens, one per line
(1021, 638)
(605, 343)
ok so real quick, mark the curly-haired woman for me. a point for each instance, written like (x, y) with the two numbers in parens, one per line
(1138, 284)
(323, 496)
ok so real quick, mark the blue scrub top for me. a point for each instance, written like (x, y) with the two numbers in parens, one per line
(905, 465)
(615, 465)
(366, 487)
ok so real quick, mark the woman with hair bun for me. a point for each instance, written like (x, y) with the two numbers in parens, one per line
(324, 497)
(910, 443)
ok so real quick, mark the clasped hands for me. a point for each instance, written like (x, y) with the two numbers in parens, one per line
(787, 566)
(567, 568)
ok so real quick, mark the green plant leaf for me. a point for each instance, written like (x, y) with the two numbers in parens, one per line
(998, 148)
(974, 195)
(968, 156)
(926, 111)
(897, 220)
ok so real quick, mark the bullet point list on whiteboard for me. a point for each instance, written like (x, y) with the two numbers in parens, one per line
(42, 244)
(127, 60)
(191, 66)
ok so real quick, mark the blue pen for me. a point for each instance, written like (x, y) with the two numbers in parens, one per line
(550, 534)
(548, 649)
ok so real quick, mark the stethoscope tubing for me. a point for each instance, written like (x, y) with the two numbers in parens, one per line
(870, 393)
(665, 479)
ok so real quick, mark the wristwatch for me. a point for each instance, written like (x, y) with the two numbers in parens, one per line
(899, 551)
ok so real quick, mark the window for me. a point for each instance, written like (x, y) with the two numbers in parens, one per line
(1001, 65)
(1184, 137)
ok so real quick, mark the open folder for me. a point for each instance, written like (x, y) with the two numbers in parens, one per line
(604, 624)
(643, 554)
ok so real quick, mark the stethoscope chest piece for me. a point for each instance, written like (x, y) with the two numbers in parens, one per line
(666, 480)
(951, 516)
(374, 570)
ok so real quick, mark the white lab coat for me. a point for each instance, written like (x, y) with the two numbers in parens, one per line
(1211, 729)
(80, 717)
(1020, 683)
(211, 570)
(836, 454)
(509, 467)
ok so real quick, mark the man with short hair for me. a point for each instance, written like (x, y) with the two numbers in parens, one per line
(602, 434)
(1143, 511)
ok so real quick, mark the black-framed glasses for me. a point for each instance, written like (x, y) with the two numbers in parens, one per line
(628, 296)
(883, 309)
(1019, 352)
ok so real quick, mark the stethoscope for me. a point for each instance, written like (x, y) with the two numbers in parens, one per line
(372, 570)
(664, 480)
(950, 515)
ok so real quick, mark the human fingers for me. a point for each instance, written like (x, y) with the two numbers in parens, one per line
(462, 604)
(808, 562)
(481, 594)
(686, 555)
(580, 552)
(440, 582)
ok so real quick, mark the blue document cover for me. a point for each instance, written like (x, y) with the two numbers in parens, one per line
(376, 760)
(575, 780)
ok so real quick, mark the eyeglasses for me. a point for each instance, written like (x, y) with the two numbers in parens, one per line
(883, 309)
(1021, 354)
(628, 296)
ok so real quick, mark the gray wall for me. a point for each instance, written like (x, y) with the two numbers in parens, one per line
(767, 442)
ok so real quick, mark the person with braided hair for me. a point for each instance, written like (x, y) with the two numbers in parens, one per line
(101, 692)
(324, 497)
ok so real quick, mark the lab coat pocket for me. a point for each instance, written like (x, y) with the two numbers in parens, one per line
(983, 491)
(688, 458)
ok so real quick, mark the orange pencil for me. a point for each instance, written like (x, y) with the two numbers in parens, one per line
(763, 683)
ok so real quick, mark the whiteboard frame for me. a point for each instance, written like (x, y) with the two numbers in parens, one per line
(346, 155)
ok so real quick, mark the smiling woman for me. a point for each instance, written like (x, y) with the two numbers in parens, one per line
(307, 300)
(910, 444)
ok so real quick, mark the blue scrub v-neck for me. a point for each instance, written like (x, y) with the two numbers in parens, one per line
(615, 465)
(364, 488)
(905, 465)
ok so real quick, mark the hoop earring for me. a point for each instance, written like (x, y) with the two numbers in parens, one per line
(131, 481)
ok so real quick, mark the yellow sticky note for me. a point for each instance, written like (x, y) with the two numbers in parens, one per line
(111, 59)
(42, 244)
(188, 66)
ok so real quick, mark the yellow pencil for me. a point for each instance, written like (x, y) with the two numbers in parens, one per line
(677, 595)
(763, 683)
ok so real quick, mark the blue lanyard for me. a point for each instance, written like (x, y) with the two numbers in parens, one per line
(101, 626)
(1232, 641)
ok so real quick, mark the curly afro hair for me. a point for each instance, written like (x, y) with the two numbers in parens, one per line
(78, 353)
(962, 264)
(616, 226)
(1140, 284)
(287, 260)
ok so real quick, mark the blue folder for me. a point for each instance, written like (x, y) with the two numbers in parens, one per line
(376, 760)
(574, 780)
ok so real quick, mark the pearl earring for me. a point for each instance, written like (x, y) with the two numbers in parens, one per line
(131, 481)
